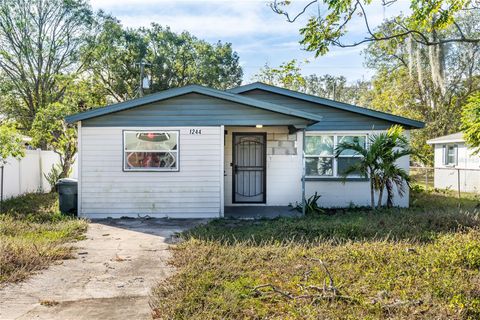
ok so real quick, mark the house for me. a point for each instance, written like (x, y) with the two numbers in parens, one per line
(200, 152)
(456, 165)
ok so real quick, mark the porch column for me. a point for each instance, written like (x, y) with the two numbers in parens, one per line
(303, 172)
(222, 171)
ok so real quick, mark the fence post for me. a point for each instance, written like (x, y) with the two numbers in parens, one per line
(40, 169)
(20, 176)
(426, 178)
(1, 188)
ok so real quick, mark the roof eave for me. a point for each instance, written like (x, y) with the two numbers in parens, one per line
(433, 141)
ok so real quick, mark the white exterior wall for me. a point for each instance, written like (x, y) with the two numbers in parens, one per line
(284, 172)
(192, 192)
(357, 193)
(446, 177)
(27, 174)
(203, 184)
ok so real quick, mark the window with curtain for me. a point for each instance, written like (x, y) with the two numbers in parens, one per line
(320, 158)
(150, 150)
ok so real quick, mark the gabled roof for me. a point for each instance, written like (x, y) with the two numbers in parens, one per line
(171, 93)
(454, 137)
(330, 103)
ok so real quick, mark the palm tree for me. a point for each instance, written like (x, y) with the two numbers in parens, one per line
(368, 164)
(392, 176)
(378, 161)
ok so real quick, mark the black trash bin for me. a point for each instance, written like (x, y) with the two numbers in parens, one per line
(67, 195)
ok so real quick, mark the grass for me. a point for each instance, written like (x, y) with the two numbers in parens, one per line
(417, 263)
(33, 234)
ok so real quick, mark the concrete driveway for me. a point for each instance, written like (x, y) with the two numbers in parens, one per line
(111, 278)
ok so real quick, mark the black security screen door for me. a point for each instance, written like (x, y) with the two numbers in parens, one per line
(249, 163)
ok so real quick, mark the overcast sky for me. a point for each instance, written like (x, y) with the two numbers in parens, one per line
(255, 31)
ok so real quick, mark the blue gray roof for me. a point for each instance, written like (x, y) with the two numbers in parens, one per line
(171, 93)
(236, 95)
(329, 103)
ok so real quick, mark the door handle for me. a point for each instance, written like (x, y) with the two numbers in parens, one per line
(235, 169)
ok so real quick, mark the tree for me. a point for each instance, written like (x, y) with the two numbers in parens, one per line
(378, 162)
(50, 126)
(289, 75)
(39, 41)
(390, 176)
(173, 59)
(407, 84)
(471, 122)
(426, 19)
(11, 145)
(368, 164)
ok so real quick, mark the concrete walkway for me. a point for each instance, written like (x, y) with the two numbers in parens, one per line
(111, 278)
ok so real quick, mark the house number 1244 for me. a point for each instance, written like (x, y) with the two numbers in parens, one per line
(195, 131)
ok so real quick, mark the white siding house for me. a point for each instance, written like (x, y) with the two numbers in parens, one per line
(456, 165)
(196, 152)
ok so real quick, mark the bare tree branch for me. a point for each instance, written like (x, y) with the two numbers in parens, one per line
(276, 8)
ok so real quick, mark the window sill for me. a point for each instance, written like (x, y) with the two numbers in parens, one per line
(360, 179)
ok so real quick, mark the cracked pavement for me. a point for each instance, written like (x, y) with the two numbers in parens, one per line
(111, 277)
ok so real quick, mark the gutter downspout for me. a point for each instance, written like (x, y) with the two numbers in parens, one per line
(303, 173)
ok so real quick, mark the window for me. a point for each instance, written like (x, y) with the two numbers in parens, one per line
(150, 150)
(450, 154)
(320, 158)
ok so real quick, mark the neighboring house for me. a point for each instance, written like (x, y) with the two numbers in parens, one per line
(455, 164)
(197, 152)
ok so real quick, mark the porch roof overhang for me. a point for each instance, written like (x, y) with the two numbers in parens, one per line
(214, 93)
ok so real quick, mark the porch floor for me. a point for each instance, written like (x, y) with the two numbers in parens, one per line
(259, 212)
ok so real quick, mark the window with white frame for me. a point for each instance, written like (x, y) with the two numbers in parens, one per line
(320, 160)
(450, 154)
(150, 150)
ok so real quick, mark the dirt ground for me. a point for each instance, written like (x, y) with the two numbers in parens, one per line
(111, 277)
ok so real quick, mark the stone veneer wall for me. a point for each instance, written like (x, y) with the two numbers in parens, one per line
(281, 144)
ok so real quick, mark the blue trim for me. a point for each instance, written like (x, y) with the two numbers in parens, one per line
(171, 93)
(330, 103)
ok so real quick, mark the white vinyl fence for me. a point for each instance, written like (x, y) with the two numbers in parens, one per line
(27, 174)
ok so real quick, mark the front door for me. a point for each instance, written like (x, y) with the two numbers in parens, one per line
(249, 164)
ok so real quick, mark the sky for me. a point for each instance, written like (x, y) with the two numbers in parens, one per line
(257, 34)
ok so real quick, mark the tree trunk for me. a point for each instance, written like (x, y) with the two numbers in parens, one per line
(372, 194)
(66, 163)
(380, 195)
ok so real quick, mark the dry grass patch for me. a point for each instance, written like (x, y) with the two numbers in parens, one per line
(420, 263)
(33, 235)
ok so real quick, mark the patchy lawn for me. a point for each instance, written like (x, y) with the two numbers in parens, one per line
(33, 234)
(417, 263)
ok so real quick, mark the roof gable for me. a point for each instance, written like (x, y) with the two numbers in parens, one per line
(329, 103)
(176, 92)
(193, 109)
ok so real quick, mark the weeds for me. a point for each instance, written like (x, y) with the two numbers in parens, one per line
(417, 263)
(33, 234)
